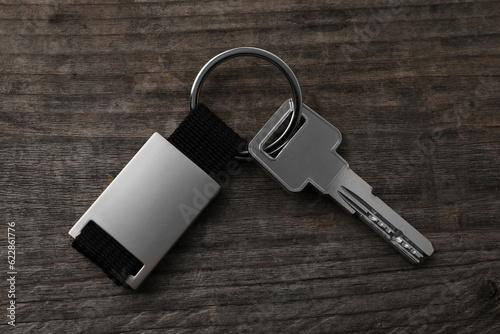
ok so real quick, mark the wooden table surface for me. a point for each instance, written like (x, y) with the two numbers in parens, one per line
(414, 86)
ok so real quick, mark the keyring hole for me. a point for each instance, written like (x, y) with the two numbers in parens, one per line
(281, 128)
(244, 93)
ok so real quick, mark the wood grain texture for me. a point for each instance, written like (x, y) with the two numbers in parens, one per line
(414, 87)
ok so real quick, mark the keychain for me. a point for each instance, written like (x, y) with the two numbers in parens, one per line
(166, 185)
(169, 182)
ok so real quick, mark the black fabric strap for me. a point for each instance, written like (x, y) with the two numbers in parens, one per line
(207, 141)
(106, 252)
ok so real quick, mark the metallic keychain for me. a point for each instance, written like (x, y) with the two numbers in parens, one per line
(166, 185)
(142, 213)
(307, 155)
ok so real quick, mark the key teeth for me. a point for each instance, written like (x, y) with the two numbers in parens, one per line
(410, 251)
(384, 228)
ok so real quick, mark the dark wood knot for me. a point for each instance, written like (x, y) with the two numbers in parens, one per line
(487, 289)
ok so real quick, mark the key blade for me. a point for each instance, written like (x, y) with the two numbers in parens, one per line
(355, 195)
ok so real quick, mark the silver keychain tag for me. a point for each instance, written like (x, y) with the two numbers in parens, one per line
(150, 204)
(162, 190)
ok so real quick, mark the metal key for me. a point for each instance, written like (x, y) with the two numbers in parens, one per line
(310, 158)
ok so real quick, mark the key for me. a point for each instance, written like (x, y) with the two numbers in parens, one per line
(310, 157)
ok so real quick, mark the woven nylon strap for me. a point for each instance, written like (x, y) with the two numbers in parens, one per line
(207, 141)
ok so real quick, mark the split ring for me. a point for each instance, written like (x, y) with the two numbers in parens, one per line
(285, 69)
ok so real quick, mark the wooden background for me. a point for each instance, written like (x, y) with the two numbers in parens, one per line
(414, 87)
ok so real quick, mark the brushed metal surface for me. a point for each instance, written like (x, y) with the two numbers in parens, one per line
(153, 200)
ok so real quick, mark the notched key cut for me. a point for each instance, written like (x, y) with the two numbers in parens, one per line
(310, 157)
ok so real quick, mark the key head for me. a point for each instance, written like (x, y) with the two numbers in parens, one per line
(308, 158)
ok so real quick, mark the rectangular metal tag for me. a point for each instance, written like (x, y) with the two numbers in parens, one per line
(153, 200)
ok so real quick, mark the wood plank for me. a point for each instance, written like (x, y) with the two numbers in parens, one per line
(413, 87)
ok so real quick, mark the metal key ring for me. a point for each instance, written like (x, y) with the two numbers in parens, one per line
(285, 69)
